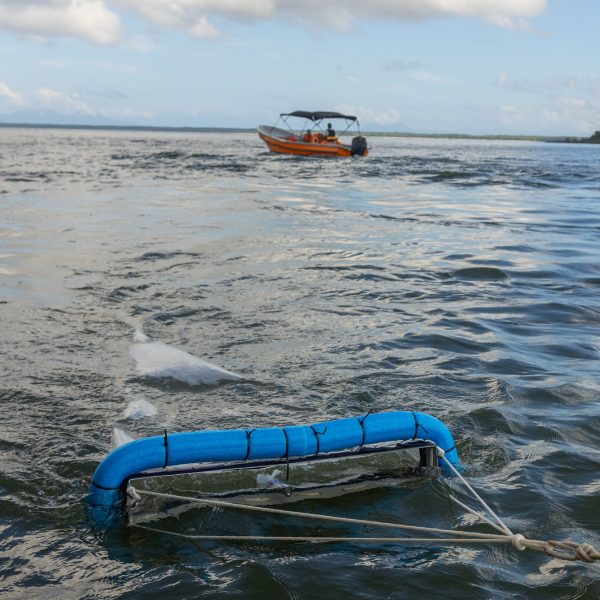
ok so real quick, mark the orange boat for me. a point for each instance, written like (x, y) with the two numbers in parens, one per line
(312, 139)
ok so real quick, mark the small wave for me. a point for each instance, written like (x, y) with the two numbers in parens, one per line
(537, 274)
(159, 360)
(393, 218)
(481, 274)
(235, 167)
(33, 177)
(537, 183)
(446, 175)
(546, 312)
(356, 267)
(517, 248)
(169, 155)
(178, 313)
(166, 255)
(125, 291)
(202, 155)
(591, 281)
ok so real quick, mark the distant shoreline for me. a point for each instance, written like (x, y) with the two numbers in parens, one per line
(127, 128)
(402, 134)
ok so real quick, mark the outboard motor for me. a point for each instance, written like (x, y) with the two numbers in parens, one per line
(359, 146)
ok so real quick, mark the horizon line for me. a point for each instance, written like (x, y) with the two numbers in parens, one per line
(216, 129)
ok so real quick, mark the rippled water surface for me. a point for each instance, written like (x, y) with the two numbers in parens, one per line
(459, 278)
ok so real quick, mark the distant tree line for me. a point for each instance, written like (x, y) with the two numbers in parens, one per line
(593, 139)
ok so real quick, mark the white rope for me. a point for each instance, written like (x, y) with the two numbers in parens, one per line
(320, 517)
(565, 550)
(442, 455)
(325, 539)
(477, 514)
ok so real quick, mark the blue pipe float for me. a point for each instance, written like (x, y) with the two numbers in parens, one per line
(105, 500)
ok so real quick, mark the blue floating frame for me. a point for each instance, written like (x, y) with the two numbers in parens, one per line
(105, 500)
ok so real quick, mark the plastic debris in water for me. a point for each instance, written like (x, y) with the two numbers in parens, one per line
(137, 409)
(269, 480)
(119, 438)
(158, 360)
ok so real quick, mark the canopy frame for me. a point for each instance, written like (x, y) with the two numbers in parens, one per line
(314, 120)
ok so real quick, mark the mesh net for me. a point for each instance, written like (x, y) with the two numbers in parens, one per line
(260, 483)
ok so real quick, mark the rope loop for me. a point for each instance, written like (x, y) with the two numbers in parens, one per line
(585, 551)
(517, 540)
(568, 550)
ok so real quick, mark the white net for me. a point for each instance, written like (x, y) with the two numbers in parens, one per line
(260, 483)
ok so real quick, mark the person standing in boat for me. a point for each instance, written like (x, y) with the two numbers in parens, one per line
(330, 136)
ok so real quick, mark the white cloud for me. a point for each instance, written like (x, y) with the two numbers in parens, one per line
(192, 16)
(97, 65)
(509, 22)
(182, 13)
(368, 115)
(550, 116)
(202, 28)
(342, 14)
(511, 115)
(550, 85)
(141, 43)
(69, 104)
(576, 103)
(87, 19)
(558, 115)
(564, 104)
(99, 22)
(13, 98)
(403, 65)
(126, 114)
(74, 104)
(429, 77)
(417, 71)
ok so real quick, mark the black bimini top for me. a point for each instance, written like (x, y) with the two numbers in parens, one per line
(317, 116)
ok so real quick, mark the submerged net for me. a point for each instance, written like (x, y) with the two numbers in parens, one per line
(271, 483)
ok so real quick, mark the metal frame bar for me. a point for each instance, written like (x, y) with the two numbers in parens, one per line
(426, 451)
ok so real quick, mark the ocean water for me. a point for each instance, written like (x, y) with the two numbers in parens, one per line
(187, 281)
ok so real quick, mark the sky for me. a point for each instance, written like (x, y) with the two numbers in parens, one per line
(528, 67)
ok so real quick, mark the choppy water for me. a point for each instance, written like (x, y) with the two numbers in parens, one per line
(458, 278)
